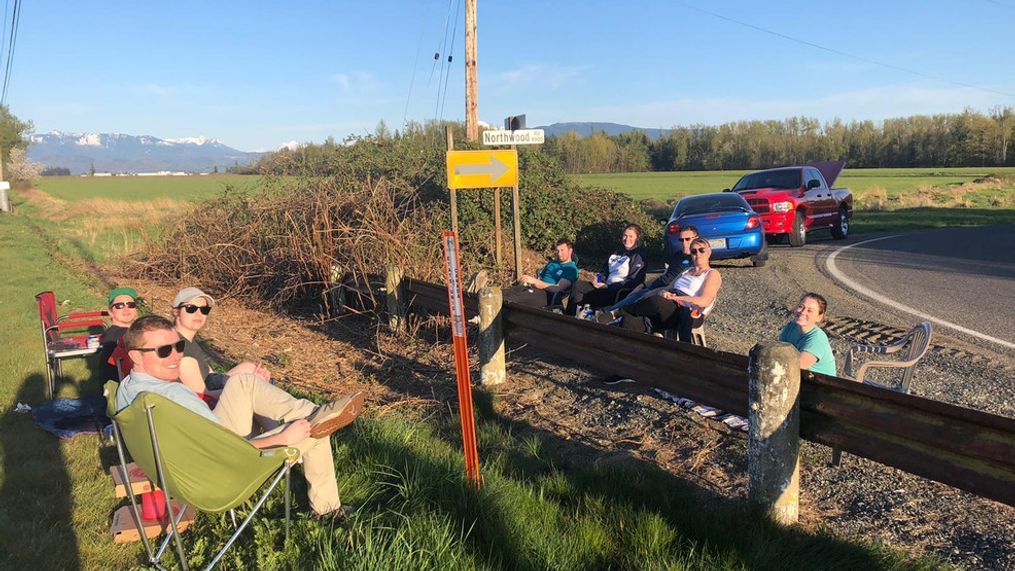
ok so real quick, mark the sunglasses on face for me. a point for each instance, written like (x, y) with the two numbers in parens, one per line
(194, 308)
(165, 350)
(123, 304)
(688, 239)
(698, 250)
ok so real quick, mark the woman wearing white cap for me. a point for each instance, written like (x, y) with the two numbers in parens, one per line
(191, 308)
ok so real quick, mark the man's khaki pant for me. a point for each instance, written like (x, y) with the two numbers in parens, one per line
(247, 395)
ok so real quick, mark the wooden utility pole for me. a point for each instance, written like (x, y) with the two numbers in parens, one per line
(471, 74)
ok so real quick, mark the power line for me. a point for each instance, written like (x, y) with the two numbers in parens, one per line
(415, 63)
(440, 74)
(454, 35)
(15, 17)
(845, 54)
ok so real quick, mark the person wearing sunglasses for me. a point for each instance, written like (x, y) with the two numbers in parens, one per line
(156, 350)
(122, 305)
(191, 309)
(681, 305)
(676, 264)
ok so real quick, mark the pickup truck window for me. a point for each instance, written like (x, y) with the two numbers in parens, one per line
(779, 178)
(812, 174)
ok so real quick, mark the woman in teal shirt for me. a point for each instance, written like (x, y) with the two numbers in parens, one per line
(804, 334)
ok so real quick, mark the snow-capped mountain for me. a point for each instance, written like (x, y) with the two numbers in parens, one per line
(117, 152)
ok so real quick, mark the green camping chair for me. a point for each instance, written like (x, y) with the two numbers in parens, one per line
(197, 462)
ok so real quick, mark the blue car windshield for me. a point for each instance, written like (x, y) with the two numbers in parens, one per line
(710, 203)
(784, 178)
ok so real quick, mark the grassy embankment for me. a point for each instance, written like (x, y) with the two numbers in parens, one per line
(886, 199)
(540, 506)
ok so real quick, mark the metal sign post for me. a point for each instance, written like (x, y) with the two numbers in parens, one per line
(457, 307)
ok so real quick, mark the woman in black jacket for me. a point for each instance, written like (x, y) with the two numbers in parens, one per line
(625, 270)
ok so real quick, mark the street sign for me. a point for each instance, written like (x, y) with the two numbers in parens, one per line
(482, 169)
(520, 137)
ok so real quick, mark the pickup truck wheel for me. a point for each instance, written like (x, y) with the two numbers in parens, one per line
(841, 228)
(798, 237)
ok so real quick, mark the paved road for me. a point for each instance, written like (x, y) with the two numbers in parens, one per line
(965, 276)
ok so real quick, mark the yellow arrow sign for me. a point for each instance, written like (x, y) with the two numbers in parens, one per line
(482, 169)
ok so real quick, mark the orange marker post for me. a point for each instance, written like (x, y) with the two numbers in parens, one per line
(457, 307)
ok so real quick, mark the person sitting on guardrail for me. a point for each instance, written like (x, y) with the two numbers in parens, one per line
(122, 303)
(554, 279)
(191, 308)
(156, 350)
(681, 304)
(803, 333)
(625, 270)
(676, 264)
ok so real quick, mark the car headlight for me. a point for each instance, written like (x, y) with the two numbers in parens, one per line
(782, 206)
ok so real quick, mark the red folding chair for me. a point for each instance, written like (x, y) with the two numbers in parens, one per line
(66, 336)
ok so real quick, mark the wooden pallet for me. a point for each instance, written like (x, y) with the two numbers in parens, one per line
(139, 482)
(125, 531)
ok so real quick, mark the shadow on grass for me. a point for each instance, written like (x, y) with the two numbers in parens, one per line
(36, 506)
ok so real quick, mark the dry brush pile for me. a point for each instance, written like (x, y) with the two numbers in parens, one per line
(282, 246)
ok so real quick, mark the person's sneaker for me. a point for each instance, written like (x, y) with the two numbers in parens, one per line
(335, 415)
(616, 380)
(338, 515)
(605, 317)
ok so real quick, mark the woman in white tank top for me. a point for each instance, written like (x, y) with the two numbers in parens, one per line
(680, 306)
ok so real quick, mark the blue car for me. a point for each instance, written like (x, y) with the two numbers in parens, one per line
(732, 228)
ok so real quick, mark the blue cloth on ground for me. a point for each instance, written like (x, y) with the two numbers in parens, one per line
(67, 418)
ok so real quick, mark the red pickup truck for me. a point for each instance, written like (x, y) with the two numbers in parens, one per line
(793, 201)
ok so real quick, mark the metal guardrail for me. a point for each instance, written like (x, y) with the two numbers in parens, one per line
(961, 447)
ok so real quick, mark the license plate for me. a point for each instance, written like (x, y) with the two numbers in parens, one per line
(717, 243)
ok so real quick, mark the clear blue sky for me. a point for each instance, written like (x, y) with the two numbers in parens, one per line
(257, 74)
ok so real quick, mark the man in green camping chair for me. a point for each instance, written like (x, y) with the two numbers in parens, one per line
(155, 348)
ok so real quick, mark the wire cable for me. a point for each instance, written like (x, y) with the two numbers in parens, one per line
(15, 17)
(844, 54)
(454, 35)
(415, 63)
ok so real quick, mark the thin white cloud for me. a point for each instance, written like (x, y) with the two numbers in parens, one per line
(545, 75)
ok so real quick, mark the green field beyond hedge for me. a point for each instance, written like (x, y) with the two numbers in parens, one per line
(142, 188)
(669, 185)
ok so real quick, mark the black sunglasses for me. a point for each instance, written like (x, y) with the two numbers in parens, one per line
(123, 304)
(165, 350)
(688, 239)
(698, 250)
(193, 308)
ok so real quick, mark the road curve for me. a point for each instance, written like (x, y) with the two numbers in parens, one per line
(962, 279)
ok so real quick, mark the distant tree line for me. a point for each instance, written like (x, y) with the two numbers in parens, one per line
(56, 171)
(966, 139)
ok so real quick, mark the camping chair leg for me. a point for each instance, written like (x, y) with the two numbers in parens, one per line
(836, 456)
(174, 531)
(125, 477)
(250, 516)
(288, 496)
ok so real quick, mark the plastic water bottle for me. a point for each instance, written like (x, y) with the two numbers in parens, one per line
(588, 314)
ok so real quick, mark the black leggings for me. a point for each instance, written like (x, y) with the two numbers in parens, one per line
(584, 292)
(663, 313)
(520, 294)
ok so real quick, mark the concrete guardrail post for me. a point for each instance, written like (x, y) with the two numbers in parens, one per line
(395, 291)
(491, 336)
(773, 441)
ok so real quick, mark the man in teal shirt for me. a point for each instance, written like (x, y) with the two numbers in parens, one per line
(554, 280)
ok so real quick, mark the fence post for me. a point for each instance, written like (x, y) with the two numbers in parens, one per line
(336, 292)
(773, 441)
(395, 291)
(491, 336)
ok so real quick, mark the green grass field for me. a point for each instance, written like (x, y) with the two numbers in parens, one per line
(539, 508)
(142, 188)
(669, 185)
